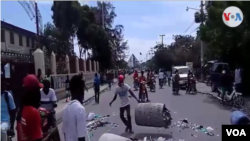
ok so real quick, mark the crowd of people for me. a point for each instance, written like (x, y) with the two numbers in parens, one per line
(36, 94)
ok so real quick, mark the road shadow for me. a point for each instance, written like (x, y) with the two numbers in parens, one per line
(217, 102)
(141, 136)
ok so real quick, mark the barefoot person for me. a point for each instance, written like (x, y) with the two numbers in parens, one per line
(122, 91)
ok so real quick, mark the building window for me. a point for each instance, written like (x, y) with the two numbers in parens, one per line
(32, 43)
(20, 40)
(27, 42)
(12, 41)
(2, 35)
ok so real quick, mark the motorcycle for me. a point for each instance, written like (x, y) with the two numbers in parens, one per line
(136, 84)
(191, 88)
(232, 98)
(161, 83)
(152, 84)
(143, 92)
(175, 88)
(208, 82)
(48, 124)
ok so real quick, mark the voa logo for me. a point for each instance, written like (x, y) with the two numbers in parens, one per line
(236, 132)
(232, 16)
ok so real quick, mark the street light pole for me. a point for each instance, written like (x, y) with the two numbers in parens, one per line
(202, 43)
(162, 36)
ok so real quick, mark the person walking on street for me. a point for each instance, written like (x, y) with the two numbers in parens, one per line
(67, 88)
(175, 80)
(122, 91)
(74, 126)
(84, 87)
(238, 79)
(110, 78)
(97, 88)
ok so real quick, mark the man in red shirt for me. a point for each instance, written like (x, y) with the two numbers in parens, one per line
(141, 79)
(29, 124)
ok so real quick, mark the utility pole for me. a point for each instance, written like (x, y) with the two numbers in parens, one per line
(202, 43)
(162, 36)
(37, 26)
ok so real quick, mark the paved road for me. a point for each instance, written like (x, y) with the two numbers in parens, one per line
(197, 109)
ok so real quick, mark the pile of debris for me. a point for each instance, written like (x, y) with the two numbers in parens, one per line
(185, 124)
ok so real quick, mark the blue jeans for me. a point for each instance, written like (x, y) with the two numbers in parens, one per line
(5, 126)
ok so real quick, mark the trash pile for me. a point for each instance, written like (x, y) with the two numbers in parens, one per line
(96, 121)
(185, 124)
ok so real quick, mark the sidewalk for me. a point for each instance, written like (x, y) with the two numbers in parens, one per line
(203, 89)
(88, 96)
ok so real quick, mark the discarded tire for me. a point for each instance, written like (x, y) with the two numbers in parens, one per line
(152, 115)
(112, 137)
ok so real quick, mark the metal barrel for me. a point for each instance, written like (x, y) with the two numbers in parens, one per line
(112, 137)
(152, 115)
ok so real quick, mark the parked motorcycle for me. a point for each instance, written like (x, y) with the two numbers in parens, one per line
(208, 81)
(152, 84)
(232, 98)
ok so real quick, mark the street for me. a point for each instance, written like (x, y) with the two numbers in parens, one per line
(197, 109)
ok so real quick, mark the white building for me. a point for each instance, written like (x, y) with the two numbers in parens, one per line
(16, 40)
(133, 61)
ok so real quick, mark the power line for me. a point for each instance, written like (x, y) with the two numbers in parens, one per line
(190, 26)
(194, 30)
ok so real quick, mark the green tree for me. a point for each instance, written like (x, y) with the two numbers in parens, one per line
(228, 44)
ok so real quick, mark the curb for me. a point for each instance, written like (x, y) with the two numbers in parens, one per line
(86, 102)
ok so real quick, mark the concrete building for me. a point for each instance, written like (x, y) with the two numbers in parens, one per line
(133, 62)
(16, 40)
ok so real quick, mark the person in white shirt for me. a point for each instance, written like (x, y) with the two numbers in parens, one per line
(74, 123)
(122, 91)
(238, 79)
(161, 76)
(48, 100)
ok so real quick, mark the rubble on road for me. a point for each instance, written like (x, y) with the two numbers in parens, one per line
(185, 124)
(96, 121)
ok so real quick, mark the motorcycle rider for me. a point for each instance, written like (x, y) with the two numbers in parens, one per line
(141, 79)
(48, 100)
(175, 80)
(190, 75)
(226, 84)
(161, 77)
(135, 77)
(8, 111)
(169, 77)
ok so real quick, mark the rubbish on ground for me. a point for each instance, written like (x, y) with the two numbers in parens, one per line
(184, 123)
(95, 121)
(152, 115)
(112, 137)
